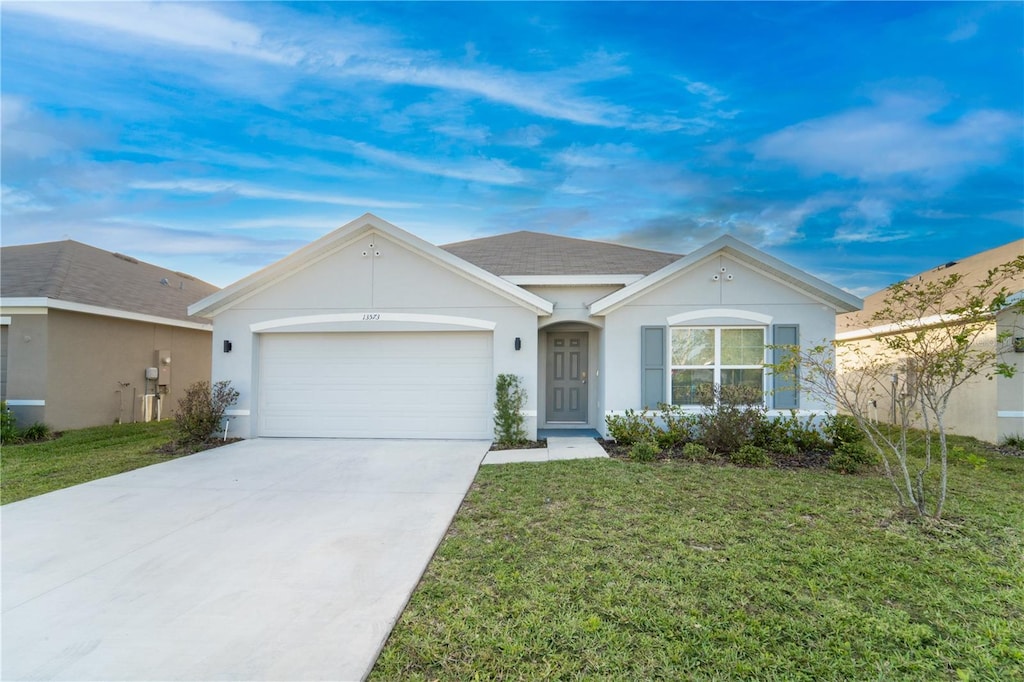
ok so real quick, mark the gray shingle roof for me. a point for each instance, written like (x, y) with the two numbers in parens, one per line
(533, 253)
(77, 273)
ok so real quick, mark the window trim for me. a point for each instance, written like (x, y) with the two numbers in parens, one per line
(717, 365)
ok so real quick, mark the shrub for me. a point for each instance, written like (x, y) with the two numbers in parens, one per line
(852, 458)
(510, 397)
(202, 408)
(632, 427)
(8, 427)
(644, 451)
(695, 452)
(750, 456)
(678, 426)
(842, 428)
(38, 431)
(1013, 441)
(730, 418)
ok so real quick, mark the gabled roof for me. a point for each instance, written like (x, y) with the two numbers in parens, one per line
(532, 253)
(833, 296)
(972, 270)
(76, 273)
(331, 242)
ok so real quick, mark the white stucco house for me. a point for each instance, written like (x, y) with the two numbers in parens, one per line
(372, 332)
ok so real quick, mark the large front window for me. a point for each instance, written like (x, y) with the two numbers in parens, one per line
(705, 356)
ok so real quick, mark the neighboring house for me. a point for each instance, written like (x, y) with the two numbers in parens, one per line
(372, 332)
(987, 409)
(80, 327)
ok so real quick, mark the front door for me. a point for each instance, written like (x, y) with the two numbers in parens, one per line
(567, 377)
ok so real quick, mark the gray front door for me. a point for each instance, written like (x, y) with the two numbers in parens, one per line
(567, 377)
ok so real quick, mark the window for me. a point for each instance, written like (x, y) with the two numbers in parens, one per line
(705, 356)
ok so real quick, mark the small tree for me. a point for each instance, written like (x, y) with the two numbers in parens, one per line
(510, 397)
(200, 411)
(932, 343)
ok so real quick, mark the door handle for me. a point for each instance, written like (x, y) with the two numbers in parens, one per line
(583, 376)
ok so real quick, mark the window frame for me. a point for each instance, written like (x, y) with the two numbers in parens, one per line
(717, 366)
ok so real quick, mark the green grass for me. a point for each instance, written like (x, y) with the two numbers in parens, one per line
(78, 456)
(669, 570)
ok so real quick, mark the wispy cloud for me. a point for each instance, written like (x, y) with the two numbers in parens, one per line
(251, 191)
(895, 137)
(489, 171)
(182, 25)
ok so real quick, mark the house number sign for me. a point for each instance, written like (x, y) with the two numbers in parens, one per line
(371, 316)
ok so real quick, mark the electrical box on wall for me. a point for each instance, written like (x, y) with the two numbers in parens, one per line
(152, 373)
(163, 365)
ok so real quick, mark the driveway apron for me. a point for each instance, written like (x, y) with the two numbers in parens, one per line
(262, 560)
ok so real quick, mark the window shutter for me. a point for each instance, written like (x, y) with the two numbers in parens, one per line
(652, 366)
(785, 385)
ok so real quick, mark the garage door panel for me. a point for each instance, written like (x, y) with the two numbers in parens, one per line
(416, 385)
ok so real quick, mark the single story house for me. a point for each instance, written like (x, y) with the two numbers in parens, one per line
(372, 332)
(989, 410)
(80, 327)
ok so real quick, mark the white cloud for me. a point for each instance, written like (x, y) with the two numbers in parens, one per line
(16, 201)
(488, 171)
(965, 31)
(257, 192)
(895, 137)
(182, 25)
(544, 95)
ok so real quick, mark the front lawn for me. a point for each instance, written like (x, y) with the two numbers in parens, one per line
(79, 456)
(672, 570)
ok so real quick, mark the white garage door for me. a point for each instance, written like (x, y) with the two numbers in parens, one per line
(362, 385)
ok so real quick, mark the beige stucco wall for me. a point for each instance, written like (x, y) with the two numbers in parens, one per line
(88, 356)
(972, 407)
(26, 364)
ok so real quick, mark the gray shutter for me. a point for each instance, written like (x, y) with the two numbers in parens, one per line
(785, 386)
(652, 366)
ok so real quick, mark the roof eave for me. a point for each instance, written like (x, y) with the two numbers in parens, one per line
(835, 297)
(216, 303)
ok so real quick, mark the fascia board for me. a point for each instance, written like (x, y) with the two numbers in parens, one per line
(10, 305)
(826, 293)
(572, 280)
(343, 236)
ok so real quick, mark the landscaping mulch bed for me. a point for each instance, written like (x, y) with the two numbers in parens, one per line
(525, 445)
(801, 460)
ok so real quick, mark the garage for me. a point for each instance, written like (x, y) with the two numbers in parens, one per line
(376, 385)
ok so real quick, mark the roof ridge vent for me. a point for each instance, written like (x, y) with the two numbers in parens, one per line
(185, 275)
(124, 257)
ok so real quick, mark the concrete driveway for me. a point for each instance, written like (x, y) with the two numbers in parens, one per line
(261, 560)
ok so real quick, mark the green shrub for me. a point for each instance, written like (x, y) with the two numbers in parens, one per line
(1013, 441)
(8, 427)
(730, 418)
(510, 397)
(842, 428)
(785, 447)
(853, 458)
(678, 426)
(201, 410)
(644, 451)
(695, 452)
(750, 456)
(38, 431)
(632, 427)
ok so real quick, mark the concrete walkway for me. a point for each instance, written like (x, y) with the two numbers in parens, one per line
(269, 559)
(561, 447)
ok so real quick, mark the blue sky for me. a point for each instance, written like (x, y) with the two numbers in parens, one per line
(863, 142)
